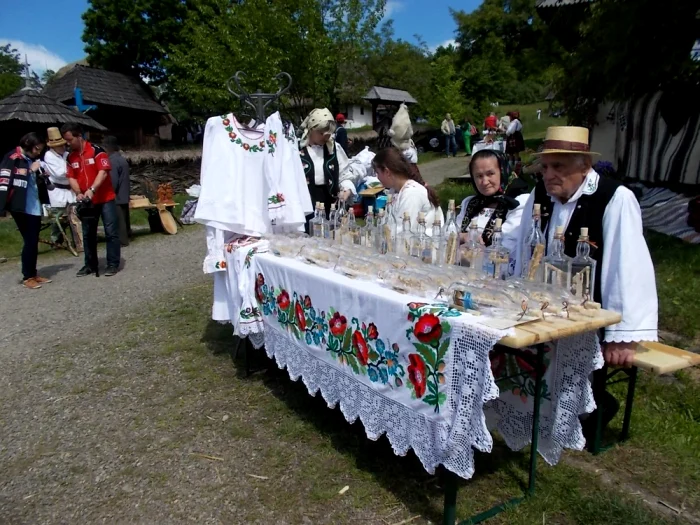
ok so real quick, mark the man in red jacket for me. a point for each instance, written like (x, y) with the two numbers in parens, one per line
(88, 175)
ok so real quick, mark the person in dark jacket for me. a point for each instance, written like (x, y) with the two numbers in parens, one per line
(121, 184)
(22, 192)
(341, 134)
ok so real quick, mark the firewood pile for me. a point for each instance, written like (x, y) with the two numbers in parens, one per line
(178, 168)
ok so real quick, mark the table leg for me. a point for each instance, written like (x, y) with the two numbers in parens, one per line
(600, 378)
(449, 515)
(539, 371)
(632, 373)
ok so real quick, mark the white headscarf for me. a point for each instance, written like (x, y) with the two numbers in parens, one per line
(318, 118)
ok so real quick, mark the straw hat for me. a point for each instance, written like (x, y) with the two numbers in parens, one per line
(55, 138)
(566, 139)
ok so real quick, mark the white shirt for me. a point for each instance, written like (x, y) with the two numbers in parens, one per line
(510, 228)
(514, 126)
(56, 167)
(628, 283)
(413, 198)
(316, 155)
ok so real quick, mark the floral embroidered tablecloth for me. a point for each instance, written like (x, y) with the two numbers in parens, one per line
(417, 371)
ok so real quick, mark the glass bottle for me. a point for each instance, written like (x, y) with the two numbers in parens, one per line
(391, 227)
(341, 221)
(557, 265)
(583, 269)
(472, 253)
(332, 222)
(496, 256)
(316, 222)
(403, 242)
(421, 244)
(325, 226)
(533, 269)
(437, 243)
(353, 230)
(383, 240)
(369, 229)
(451, 235)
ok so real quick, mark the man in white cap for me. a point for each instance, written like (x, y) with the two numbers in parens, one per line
(571, 194)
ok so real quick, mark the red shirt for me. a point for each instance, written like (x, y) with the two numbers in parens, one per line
(84, 167)
(490, 122)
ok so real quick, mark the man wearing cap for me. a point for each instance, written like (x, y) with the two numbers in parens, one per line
(571, 194)
(341, 134)
(88, 173)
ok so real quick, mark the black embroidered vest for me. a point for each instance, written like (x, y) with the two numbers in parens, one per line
(331, 169)
(588, 214)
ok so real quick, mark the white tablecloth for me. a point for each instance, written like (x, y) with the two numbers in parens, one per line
(419, 372)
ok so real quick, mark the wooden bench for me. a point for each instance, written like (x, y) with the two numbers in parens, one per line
(655, 358)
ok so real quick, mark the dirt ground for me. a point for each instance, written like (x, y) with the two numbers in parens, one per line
(436, 171)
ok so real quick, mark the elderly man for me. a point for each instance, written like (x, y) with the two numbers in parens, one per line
(448, 129)
(573, 195)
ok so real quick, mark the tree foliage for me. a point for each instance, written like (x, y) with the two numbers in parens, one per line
(10, 71)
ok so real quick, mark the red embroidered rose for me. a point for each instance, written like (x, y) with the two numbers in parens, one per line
(338, 324)
(428, 328)
(301, 318)
(372, 332)
(307, 301)
(226, 122)
(262, 143)
(259, 281)
(360, 346)
(528, 367)
(246, 146)
(416, 374)
(414, 306)
(273, 138)
(232, 135)
(283, 300)
(223, 264)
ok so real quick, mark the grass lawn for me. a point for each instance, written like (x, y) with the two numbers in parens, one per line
(11, 240)
(307, 452)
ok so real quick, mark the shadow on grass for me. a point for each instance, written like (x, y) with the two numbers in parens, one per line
(404, 477)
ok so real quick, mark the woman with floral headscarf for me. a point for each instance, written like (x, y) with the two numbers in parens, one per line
(492, 200)
(322, 160)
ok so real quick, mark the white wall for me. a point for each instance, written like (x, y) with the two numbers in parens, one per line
(355, 117)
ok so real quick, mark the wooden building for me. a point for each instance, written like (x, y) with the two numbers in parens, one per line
(385, 102)
(124, 104)
(29, 110)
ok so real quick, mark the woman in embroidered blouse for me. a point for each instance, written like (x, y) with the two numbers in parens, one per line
(323, 162)
(412, 195)
(487, 169)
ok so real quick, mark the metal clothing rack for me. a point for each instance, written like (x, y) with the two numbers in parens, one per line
(259, 101)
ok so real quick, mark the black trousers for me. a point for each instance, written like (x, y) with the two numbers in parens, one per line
(319, 193)
(29, 227)
(124, 224)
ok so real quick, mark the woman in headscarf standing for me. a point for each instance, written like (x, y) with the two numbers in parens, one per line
(322, 160)
(489, 176)
(515, 142)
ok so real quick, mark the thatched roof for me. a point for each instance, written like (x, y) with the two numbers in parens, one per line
(28, 105)
(164, 157)
(104, 87)
(382, 94)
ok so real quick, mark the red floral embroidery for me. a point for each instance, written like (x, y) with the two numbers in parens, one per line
(226, 122)
(416, 374)
(283, 300)
(259, 281)
(338, 324)
(262, 143)
(307, 301)
(360, 346)
(428, 328)
(498, 363)
(232, 135)
(526, 367)
(301, 318)
(246, 146)
(372, 332)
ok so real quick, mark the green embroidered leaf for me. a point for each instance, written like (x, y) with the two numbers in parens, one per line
(347, 340)
(352, 361)
(442, 397)
(427, 354)
(446, 328)
(431, 399)
(373, 356)
(432, 387)
(442, 351)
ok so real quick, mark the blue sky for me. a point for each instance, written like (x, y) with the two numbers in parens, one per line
(51, 36)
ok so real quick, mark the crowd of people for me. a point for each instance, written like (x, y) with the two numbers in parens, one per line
(66, 172)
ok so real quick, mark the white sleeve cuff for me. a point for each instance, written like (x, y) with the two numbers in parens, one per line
(348, 185)
(630, 336)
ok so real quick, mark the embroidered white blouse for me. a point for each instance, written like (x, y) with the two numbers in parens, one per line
(628, 283)
(55, 165)
(413, 198)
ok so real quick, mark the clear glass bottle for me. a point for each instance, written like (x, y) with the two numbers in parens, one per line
(341, 221)
(533, 269)
(369, 229)
(390, 227)
(382, 243)
(583, 269)
(421, 243)
(451, 235)
(496, 256)
(472, 252)
(316, 225)
(557, 265)
(353, 230)
(437, 256)
(403, 242)
(332, 222)
(325, 225)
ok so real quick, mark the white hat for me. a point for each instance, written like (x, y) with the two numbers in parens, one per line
(401, 130)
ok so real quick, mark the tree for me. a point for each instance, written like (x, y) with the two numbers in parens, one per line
(10, 71)
(47, 76)
(133, 36)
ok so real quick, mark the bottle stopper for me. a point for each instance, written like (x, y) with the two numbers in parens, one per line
(559, 230)
(537, 209)
(499, 222)
(584, 232)
(370, 209)
(451, 204)
(473, 224)
(406, 215)
(333, 206)
(421, 216)
(321, 205)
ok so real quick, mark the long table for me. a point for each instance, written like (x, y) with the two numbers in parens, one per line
(423, 373)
